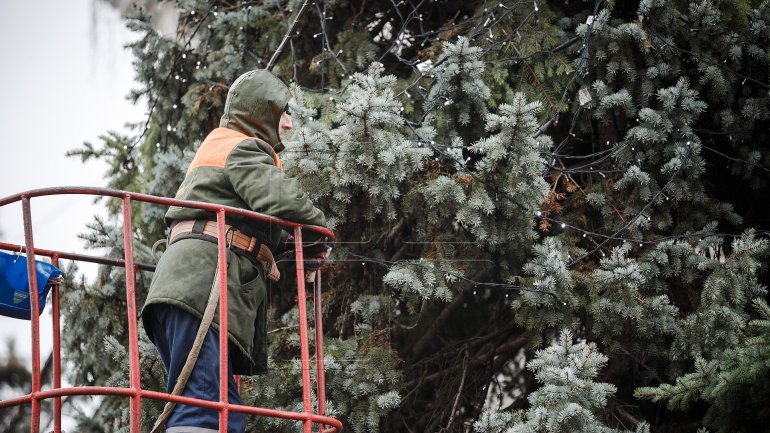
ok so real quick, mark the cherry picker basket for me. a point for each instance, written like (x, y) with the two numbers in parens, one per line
(309, 416)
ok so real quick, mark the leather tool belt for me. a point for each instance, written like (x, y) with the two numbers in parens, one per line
(236, 240)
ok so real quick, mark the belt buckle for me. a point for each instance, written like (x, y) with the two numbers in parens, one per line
(229, 236)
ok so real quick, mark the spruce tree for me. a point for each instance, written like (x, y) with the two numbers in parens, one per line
(495, 173)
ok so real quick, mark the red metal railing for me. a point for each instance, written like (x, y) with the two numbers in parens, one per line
(135, 392)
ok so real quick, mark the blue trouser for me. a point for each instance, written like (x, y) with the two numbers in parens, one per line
(173, 332)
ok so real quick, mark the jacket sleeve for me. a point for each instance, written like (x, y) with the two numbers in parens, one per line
(251, 170)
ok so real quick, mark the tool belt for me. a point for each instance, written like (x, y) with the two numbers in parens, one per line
(236, 240)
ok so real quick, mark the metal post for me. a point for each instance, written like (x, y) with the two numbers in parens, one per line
(319, 350)
(56, 314)
(135, 411)
(223, 371)
(307, 406)
(34, 312)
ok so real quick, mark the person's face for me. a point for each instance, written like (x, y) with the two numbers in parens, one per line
(284, 125)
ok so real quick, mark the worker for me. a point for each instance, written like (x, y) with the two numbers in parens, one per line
(236, 165)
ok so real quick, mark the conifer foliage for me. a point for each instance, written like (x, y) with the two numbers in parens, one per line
(574, 187)
(568, 398)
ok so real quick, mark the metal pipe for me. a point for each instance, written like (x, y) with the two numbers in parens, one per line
(307, 406)
(135, 410)
(34, 312)
(156, 395)
(223, 371)
(319, 349)
(56, 317)
(78, 190)
(77, 257)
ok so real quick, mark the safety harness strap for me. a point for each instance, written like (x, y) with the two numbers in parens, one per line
(236, 240)
(199, 226)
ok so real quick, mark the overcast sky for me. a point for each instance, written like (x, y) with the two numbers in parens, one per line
(65, 75)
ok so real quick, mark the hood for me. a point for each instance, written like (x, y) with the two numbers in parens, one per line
(254, 106)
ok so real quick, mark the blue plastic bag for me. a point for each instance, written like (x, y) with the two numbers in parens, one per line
(14, 285)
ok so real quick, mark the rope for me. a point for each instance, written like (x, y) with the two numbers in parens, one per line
(192, 357)
(155, 247)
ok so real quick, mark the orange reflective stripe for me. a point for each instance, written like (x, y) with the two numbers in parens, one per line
(218, 145)
(216, 148)
(277, 161)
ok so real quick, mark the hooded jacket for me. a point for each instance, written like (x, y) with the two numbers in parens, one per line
(236, 165)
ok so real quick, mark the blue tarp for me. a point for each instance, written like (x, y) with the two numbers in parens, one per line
(14, 284)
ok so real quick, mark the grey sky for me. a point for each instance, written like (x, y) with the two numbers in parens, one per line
(65, 76)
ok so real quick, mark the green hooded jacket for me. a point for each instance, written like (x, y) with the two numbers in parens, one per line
(235, 166)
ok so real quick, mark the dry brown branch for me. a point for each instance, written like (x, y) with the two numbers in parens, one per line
(511, 346)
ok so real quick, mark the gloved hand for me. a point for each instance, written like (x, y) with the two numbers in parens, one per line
(317, 248)
(317, 260)
(315, 257)
(309, 251)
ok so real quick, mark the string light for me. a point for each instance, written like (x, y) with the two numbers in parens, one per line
(420, 143)
(453, 275)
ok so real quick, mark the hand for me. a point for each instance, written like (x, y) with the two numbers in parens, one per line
(316, 253)
(317, 260)
(313, 264)
(317, 248)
